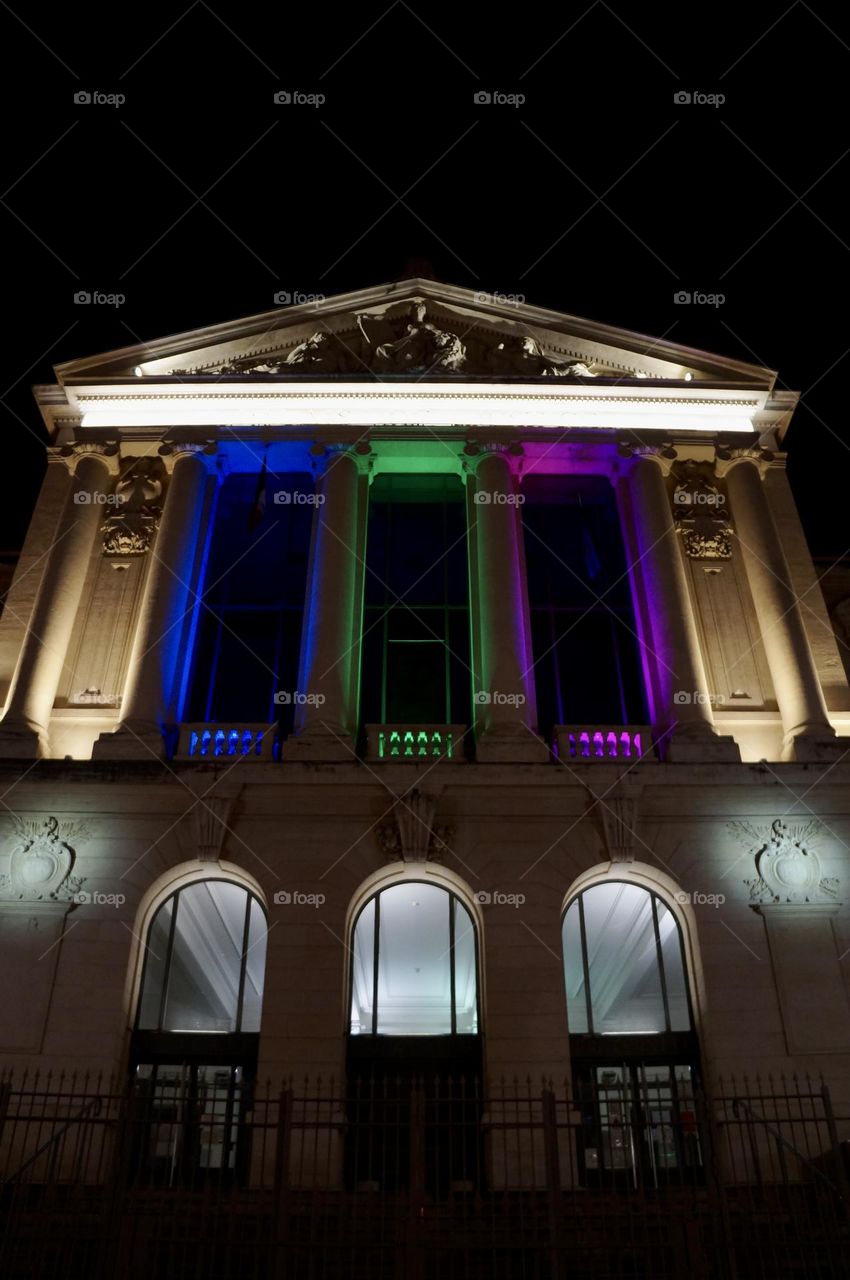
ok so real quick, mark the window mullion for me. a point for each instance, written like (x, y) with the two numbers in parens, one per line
(166, 977)
(585, 967)
(243, 962)
(660, 955)
(375, 962)
(452, 914)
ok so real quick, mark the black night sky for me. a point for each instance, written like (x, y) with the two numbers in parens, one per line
(198, 198)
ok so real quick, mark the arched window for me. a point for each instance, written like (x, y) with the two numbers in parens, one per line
(624, 964)
(205, 962)
(414, 964)
(635, 1055)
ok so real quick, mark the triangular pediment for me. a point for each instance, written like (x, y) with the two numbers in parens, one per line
(417, 328)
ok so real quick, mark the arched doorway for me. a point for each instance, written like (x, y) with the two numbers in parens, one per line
(193, 1052)
(633, 1044)
(414, 1048)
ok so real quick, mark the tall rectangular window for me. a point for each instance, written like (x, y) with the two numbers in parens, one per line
(416, 666)
(249, 630)
(586, 650)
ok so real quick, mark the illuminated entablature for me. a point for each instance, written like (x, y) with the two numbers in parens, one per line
(414, 356)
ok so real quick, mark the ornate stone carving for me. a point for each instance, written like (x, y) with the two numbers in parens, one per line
(410, 343)
(407, 338)
(74, 454)
(522, 355)
(617, 813)
(204, 829)
(41, 860)
(699, 514)
(413, 835)
(663, 455)
(787, 868)
(727, 457)
(130, 530)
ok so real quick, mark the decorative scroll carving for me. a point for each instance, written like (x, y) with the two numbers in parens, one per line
(700, 517)
(41, 861)
(130, 530)
(74, 454)
(787, 868)
(413, 836)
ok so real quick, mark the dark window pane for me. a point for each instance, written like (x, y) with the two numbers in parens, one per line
(249, 632)
(416, 626)
(583, 633)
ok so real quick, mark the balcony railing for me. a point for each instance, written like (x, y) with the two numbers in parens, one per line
(629, 742)
(410, 742)
(226, 742)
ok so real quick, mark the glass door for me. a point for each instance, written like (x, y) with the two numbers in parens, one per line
(639, 1125)
(186, 1123)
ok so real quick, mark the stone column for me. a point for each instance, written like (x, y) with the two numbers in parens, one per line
(502, 686)
(326, 711)
(682, 714)
(169, 596)
(808, 733)
(24, 730)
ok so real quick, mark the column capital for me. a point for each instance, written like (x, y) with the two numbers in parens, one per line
(172, 451)
(726, 458)
(106, 452)
(632, 452)
(475, 453)
(324, 456)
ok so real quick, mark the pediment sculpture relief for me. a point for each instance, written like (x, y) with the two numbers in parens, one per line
(408, 339)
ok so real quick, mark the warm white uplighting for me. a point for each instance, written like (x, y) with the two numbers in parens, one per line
(138, 371)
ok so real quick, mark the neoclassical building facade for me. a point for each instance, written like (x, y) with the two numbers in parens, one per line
(415, 677)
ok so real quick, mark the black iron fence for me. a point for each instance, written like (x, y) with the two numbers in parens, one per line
(196, 1174)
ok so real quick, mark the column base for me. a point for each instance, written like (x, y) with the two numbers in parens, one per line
(319, 745)
(700, 744)
(812, 748)
(509, 744)
(141, 742)
(22, 741)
